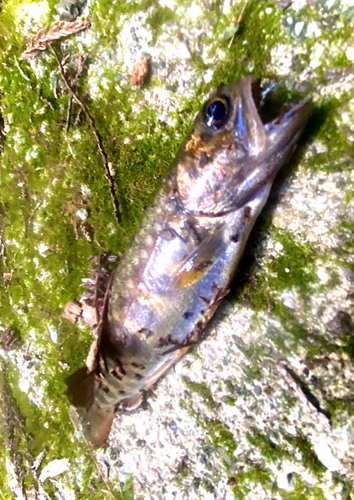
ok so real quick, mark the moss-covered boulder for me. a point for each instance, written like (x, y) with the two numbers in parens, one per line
(264, 407)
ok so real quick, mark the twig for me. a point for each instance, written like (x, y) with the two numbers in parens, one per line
(68, 114)
(239, 19)
(77, 119)
(304, 394)
(106, 481)
(20, 70)
(77, 76)
(97, 136)
(47, 102)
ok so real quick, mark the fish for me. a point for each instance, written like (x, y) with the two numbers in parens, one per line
(166, 288)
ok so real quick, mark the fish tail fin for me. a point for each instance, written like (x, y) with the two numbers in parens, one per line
(95, 421)
(96, 425)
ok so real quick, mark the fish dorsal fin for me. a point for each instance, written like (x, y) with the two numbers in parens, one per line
(102, 314)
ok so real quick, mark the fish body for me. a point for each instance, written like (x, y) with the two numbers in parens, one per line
(178, 268)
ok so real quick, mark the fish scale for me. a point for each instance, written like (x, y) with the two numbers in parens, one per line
(168, 285)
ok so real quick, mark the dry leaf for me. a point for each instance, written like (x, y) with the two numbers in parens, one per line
(72, 312)
(140, 72)
(56, 31)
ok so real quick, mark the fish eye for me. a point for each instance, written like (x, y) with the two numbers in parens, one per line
(216, 112)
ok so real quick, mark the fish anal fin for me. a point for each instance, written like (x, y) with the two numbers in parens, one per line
(81, 388)
(132, 403)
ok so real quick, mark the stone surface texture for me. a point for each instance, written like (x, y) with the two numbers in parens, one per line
(263, 408)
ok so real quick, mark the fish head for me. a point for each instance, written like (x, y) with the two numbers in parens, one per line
(230, 154)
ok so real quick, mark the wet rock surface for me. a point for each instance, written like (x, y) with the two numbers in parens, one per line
(264, 407)
(264, 403)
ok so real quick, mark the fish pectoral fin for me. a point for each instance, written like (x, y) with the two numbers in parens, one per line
(81, 388)
(197, 264)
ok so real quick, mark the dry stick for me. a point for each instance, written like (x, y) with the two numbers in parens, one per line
(68, 114)
(77, 119)
(239, 19)
(47, 102)
(98, 139)
(106, 481)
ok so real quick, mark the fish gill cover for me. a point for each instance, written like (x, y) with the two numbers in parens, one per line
(264, 405)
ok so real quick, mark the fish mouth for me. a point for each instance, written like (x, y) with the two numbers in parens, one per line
(280, 133)
(268, 146)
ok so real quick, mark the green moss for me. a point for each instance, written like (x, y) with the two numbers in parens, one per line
(218, 432)
(250, 50)
(243, 483)
(294, 267)
(314, 343)
(347, 488)
(185, 471)
(11, 437)
(108, 18)
(339, 408)
(332, 31)
(349, 195)
(308, 456)
(202, 389)
(221, 437)
(246, 481)
(159, 17)
(268, 449)
(337, 155)
(43, 432)
(302, 491)
(345, 228)
(42, 173)
(229, 401)
(208, 486)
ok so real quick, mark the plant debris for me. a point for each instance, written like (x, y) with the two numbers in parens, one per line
(140, 73)
(56, 31)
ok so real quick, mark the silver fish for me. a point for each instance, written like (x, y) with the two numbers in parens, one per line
(169, 283)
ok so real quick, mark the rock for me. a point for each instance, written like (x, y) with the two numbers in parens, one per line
(325, 455)
(231, 430)
(69, 10)
(54, 468)
(341, 324)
